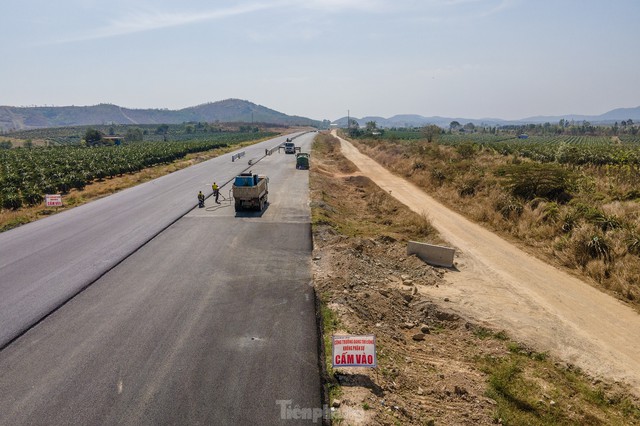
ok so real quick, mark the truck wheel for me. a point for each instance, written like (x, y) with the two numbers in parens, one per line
(238, 205)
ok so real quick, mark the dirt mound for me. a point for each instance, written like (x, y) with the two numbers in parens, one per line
(373, 288)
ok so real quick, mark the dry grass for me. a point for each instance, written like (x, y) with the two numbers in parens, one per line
(383, 215)
(595, 235)
(467, 374)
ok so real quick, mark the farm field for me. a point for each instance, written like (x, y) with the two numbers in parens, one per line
(82, 174)
(565, 149)
(27, 174)
(73, 135)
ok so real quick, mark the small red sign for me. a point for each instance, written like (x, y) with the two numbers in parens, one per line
(354, 351)
(53, 200)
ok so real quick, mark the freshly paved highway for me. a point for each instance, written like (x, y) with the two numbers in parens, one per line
(44, 263)
(210, 322)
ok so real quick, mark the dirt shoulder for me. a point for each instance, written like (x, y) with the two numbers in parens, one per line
(502, 286)
(441, 360)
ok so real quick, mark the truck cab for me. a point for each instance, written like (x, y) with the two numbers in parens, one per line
(289, 148)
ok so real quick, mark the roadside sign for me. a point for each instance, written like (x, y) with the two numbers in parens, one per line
(354, 351)
(53, 200)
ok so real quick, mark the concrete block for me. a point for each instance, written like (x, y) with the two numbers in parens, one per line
(432, 254)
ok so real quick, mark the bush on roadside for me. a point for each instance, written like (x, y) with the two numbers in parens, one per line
(590, 244)
(11, 200)
(509, 207)
(531, 180)
(466, 150)
(469, 186)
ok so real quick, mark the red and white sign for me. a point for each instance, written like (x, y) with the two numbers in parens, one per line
(53, 200)
(354, 351)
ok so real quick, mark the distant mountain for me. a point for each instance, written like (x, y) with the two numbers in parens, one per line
(412, 120)
(230, 110)
(236, 110)
(408, 120)
(619, 114)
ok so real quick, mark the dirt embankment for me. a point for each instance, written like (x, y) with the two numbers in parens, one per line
(437, 363)
(502, 286)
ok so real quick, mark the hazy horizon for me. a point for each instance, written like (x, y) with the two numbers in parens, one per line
(507, 59)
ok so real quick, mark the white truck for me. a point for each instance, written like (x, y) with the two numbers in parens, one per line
(289, 148)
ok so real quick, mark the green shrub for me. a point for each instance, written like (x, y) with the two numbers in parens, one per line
(11, 200)
(468, 187)
(551, 212)
(531, 180)
(592, 246)
(509, 207)
(438, 175)
(32, 196)
(466, 150)
(569, 221)
(607, 222)
(633, 243)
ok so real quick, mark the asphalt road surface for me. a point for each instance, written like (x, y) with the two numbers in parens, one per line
(210, 322)
(44, 263)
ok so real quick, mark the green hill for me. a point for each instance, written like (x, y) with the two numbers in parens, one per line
(230, 110)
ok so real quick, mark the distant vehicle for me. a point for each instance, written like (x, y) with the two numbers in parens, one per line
(250, 191)
(302, 161)
(523, 136)
(289, 148)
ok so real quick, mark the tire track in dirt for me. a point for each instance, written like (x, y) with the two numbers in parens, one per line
(503, 287)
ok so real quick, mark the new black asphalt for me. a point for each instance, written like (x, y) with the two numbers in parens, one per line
(210, 322)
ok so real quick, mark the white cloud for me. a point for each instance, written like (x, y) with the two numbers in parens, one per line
(340, 5)
(141, 21)
(149, 20)
(502, 5)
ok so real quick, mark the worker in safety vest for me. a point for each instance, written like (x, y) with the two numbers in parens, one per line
(200, 199)
(216, 191)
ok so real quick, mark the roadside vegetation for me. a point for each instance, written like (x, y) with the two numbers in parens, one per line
(433, 366)
(98, 166)
(573, 202)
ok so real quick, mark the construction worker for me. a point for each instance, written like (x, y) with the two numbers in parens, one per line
(200, 199)
(216, 191)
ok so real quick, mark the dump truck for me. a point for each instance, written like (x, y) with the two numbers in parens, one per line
(302, 161)
(250, 191)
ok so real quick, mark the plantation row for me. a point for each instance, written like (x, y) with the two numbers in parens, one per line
(551, 140)
(74, 135)
(597, 154)
(480, 138)
(27, 174)
(572, 150)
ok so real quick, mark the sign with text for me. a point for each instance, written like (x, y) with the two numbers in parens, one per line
(354, 351)
(53, 200)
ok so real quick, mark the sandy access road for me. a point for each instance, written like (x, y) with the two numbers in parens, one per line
(503, 287)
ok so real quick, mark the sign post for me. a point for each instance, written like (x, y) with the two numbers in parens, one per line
(354, 351)
(53, 200)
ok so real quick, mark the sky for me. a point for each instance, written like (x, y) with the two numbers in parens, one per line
(322, 59)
